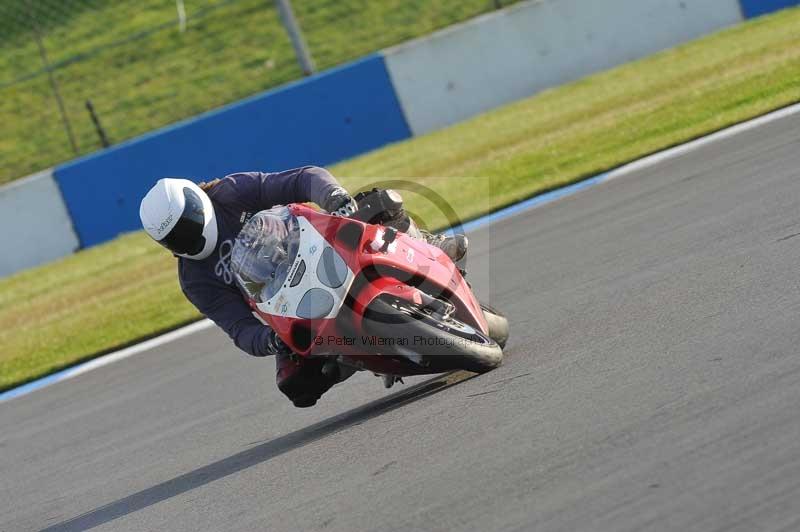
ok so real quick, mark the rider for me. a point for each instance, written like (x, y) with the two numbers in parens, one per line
(199, 225)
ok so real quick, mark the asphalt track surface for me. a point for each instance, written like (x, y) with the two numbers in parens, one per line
(652, 382)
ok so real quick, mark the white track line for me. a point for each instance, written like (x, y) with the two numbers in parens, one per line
(677, 151)
(105, 360)
(635, 166)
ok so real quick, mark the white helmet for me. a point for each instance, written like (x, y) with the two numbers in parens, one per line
(180, 217)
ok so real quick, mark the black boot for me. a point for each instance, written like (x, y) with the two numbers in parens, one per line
(304, 380)
(454, 246)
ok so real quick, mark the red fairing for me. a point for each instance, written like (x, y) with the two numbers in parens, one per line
(409, 256)
(406, 268)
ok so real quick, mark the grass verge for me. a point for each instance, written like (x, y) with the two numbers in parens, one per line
(101, 298)
(141, 72)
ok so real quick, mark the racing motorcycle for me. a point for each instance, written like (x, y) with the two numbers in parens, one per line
(367, 294)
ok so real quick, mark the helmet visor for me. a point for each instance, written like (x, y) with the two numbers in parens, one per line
(186, 238)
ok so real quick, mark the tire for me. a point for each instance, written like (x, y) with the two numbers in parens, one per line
(498, 325)
(440, 345)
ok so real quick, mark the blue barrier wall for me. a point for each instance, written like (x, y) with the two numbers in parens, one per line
(320, 120)
(754, 8)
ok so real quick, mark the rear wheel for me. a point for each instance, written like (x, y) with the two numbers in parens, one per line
(433, 341)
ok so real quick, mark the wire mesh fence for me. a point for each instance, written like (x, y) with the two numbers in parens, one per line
(76, 75)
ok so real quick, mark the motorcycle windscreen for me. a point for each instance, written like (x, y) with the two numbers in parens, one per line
(264, 251)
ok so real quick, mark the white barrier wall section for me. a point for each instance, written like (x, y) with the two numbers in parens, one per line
(511, 54)
(36, 225)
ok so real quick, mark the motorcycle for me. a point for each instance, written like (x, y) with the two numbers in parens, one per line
(369, 295)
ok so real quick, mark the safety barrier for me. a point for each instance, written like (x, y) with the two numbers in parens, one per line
(756, 8)
(414, 88)
(505, 56)
(319, 120)
(35, 222)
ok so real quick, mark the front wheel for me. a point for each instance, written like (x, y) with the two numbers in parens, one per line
(437, 343)
(498, 324)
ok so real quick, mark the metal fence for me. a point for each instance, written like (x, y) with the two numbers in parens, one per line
(76, 75)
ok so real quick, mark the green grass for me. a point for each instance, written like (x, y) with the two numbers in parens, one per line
(231, 49)
(111, 295)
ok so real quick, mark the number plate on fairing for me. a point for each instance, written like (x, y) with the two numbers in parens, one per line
(317, 283)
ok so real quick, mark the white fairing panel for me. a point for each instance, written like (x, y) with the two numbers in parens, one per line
(304, 280)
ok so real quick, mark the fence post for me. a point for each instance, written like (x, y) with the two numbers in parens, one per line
(97, 125)
(181, 15)
(296, 36)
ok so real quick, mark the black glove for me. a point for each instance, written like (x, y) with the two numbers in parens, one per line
(339, 203)
(276, 346)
